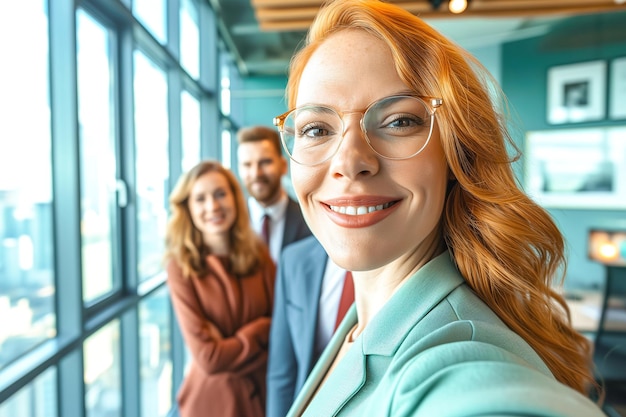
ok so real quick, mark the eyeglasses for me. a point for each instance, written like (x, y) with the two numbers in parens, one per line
(396, 127)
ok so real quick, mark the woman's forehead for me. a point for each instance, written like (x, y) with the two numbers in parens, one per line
(351, 65)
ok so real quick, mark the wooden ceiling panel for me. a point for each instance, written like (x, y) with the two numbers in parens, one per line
(295, 15)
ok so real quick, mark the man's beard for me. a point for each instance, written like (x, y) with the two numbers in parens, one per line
(264, 190)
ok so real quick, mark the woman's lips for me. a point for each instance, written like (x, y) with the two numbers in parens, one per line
(356, 215)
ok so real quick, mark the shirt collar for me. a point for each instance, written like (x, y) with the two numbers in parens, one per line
(275, 211)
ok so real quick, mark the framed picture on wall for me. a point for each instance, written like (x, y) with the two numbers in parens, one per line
(577, 92)
(577, 168)
(617, 91)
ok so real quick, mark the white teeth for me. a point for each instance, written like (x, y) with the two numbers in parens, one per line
(356, 211)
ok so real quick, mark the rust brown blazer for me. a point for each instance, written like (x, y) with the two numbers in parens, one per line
(225, 323)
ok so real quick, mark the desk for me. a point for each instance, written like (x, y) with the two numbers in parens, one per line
(601, 316)
(586, 309)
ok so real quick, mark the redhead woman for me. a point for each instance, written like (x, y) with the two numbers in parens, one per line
(401, 168)
(221, 281)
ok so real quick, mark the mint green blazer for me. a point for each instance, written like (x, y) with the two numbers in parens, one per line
(436, 350)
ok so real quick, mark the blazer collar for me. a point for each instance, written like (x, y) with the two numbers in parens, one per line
(417, 296)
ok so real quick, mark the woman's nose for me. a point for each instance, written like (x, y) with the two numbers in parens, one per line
(354, 157)
(212, 204)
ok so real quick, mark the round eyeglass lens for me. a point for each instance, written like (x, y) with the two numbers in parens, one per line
(398, 127)
(311, 134)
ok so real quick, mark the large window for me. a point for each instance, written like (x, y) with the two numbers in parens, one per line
(98, 182)
(100, 114)
(153, 15)
(26, 252)
(152, 164)
(190, 118)
(37, 399)
(155, 354)
(189, 37)
(103, 384)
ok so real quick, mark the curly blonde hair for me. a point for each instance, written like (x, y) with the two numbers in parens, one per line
(183, 241)
(507, 248)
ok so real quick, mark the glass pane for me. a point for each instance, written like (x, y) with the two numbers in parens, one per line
(103, 387)
(152, 165)
(226, 148)
(37, 399)
(225, 91)
(26, 244)
(190, 110)
(153, 15)
(189, 37)
(97, 157)
(156, 355)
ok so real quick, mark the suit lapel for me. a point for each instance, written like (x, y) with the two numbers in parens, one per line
(291, 228)
(308, 294)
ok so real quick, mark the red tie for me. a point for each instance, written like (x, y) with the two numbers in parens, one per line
(347, 298)
(265, 229)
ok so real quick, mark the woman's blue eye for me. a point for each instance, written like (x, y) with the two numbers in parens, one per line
(314, 130)
(402, 122)
(406, 121)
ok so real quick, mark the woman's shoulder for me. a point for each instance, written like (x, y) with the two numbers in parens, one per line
(462, 318)
(462, 360)
(173, 268)
(175, 271)
(478, 378)
(469, 341)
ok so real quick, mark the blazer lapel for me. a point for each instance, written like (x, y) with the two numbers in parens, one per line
(349, 376)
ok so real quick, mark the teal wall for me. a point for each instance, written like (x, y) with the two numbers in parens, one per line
(256, 101)
(525, 67)
(259, 99)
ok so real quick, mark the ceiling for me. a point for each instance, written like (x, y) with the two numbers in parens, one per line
(264, 34)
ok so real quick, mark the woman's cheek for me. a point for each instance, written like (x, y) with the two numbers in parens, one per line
(306, 181)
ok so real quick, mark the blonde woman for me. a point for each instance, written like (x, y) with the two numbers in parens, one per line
(401, 168)
(221, 281)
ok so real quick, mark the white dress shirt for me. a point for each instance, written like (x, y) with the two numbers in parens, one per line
(276, 213)
(330, 295)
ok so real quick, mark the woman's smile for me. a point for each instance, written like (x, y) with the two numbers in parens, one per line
(355, 214)
(359, 210)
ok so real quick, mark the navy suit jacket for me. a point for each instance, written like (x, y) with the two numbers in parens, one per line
(294, 321)
(295, 226)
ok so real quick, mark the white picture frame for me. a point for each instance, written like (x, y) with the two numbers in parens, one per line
(577, 168)
(617, 91)
(577, 92)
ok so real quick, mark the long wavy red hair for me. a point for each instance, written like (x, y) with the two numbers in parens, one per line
(506, 247)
